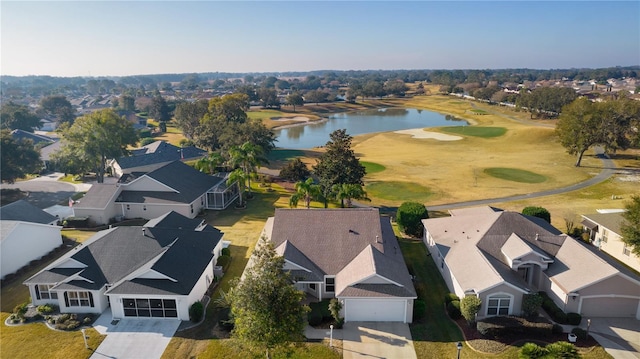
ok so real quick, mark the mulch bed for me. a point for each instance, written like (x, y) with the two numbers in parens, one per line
(493, 346)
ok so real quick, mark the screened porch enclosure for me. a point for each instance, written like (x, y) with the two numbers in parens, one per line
(221, 196)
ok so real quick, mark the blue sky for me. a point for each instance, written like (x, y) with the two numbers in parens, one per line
(149, 37)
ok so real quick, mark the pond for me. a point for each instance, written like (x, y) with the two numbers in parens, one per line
(361, 122)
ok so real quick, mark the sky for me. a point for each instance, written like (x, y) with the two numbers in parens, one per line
(120, 38)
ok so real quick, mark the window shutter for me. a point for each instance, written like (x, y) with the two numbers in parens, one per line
(66, 299)
(37, 292)
(90, 299)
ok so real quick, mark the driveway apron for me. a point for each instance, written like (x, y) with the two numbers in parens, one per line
(377, 340)
(134, 338)
(620, 337)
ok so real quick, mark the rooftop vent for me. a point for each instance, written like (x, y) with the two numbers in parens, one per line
(537, 237)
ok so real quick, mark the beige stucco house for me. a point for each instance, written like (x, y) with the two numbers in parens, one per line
(349, 254)
(500, 256)
(604, 232)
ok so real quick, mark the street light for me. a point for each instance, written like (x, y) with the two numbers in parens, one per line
(459, 346)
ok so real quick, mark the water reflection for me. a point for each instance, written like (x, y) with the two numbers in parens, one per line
(378, 120)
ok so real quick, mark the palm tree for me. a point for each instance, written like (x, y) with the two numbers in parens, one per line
(247, 157)
(349, 192)
(239, 178)
(307, 191)
(209, 163)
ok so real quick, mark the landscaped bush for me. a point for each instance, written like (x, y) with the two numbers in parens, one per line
(450, 297)
(67, 322)
(21, 309)
(225, 321)
(453, 308)
(334, 308)
(226, 251)
(574, 318)
(322, 308)
(315, 318)
(562, 350)
(531, 351)
(409, 218)
(419, 309)
(552, 309)
(539, 212)
(469, 307)
(580, 333)
(531, 304)
(76, 222)
(224, 261)
(196, 311)
(47, 308)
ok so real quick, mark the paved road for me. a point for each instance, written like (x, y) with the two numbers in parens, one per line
(44, 191)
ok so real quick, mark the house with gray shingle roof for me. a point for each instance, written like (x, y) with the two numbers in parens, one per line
(174, 186)
(154, 156)
(27, 233)
(350, 254)
(604, 232)
(157, 270)
(500, 256)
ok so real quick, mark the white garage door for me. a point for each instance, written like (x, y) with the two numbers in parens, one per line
(374, 310)
(610, 307)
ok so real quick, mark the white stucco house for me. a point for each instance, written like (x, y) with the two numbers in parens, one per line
(174, 186)
(157, 270)
(349, 254)
(500, 256)
(604, 232)
(27, 233)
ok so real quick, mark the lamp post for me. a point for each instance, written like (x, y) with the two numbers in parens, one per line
(588, 325)
(331, 336)
(84, 337)
(459, 347)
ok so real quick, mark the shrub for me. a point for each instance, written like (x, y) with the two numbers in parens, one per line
(196, 311)
(47, 308)
(453, 308)
(409, 218)
(186, 142)
(563, 350)
(469, 307)
(531, 351)
(419, 309)
(557, 329)
(537, 212)
(295, 171)
(223, 261)
(315, 318)
(574, 318)
(552, 309)
(580, 333)
(144, 133)
(322, 308)
(225, 320)
(339, 323)
(334, 308)
(226, 251)
(450, 297)
(87, 320)
(21, 309)
(146, 140)
(504, 326)
(531, 304)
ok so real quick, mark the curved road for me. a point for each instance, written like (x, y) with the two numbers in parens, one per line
(46, 191)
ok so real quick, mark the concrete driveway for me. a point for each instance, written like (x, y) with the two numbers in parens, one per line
(619, 336)
(133, 338)
(377, 340)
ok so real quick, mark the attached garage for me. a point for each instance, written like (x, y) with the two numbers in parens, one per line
(608, 306)
(147, 307)
(375, 310)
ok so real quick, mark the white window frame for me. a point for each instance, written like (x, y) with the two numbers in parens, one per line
(49, 294)
(78, 299)
(500, 297)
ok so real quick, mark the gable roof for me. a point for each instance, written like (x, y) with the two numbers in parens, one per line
(173, 219)
(36, 138)
(610, 221)
(186, 180)
(158, 152)
(98, 196)
(26, 212)
(351, 244)
(113, 255)
(476, 248)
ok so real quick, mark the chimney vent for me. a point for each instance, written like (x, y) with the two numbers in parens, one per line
(144, 231)
(377, 239)
(537, 237)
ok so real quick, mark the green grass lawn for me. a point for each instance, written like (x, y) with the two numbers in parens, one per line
(372, 167)
(515, 175)
(398, 191)
(262, 114)
(284, 155)
(476, 131)
(476, 111)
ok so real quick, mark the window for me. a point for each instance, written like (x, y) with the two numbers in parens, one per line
(312, 286)
(43, 291)
(498, 304)
(330, 284)
(626, 250)
(78, 299)
(191, 207)
(157, 308)
(128, 207)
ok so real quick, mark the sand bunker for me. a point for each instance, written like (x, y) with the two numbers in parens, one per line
(420, 133)
(296, 118)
